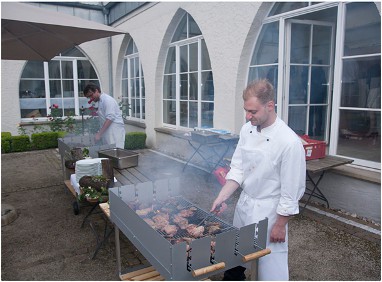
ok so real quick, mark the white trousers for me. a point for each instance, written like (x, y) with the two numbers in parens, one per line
(273, 267)
(115, 134)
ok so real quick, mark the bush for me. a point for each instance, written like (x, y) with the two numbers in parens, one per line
(20, 143)
(135, 140)
(6, 142)
(44, 140)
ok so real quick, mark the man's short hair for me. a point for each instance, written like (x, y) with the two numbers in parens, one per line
(262, 89)
(91, 87)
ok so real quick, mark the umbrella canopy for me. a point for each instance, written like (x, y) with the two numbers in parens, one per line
(32, 33)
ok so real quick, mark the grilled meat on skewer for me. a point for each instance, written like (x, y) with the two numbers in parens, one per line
(144, 212)
(161, 220)
(195, 231)
(170, 230)
(180, 221)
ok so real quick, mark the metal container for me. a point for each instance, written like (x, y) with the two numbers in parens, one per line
(202, 136)
(120, 158)
(181, 261)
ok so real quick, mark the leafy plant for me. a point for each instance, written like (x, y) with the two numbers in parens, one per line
(59, 123)
(91, 193)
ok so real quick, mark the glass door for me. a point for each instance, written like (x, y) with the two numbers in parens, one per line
(308, 71)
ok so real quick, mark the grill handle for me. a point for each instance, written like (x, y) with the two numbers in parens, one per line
(207, 269)
(256, 255)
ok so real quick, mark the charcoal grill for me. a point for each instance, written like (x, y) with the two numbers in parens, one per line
(182, 261)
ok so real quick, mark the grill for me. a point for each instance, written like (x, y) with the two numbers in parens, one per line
(206, 255)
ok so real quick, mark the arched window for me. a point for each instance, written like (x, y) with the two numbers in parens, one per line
(133, 84)
(327, 73)
(60, 81)
(188, 89)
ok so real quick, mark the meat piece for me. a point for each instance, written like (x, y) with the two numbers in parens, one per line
(150, 222)
(180, 221)
(186, 213)
(144, 212)
(195, 231)
(213, 229)
(160, 220)
(170, 230)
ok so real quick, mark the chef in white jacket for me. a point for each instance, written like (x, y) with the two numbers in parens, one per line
(112, 127)
(269, 165)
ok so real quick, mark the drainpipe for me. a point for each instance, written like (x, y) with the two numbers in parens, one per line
(110, 54)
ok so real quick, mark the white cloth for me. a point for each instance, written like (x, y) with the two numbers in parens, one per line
(75, 184)
(108, 109)
(270, 167)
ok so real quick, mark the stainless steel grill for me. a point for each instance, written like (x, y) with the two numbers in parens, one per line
(198, 259)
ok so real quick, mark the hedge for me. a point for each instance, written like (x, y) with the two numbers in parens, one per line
(44, 140)
(6, 142)
(135, 140)
(20, 143)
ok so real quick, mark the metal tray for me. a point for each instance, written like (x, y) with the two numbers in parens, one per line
(204, 136)
(120, 158)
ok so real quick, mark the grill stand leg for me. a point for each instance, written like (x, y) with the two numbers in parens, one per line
(117, 249)
(254, 270)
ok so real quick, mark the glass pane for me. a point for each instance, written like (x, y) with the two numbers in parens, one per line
(207, 115)
(181, 31)
(268, 72)
(193, 86)
(136, 81)
(206, 64)
(183, 58)
(283, 7)
(67, 69)
(297, 119)
(361, 83)
(143, 109)
(134, 108)
(69, 107)
(317, 122)
(300, 38)
(54, 69)
(360, 135)
(143, 92)
(267, 48)
(321, 45)
(59, 110)
(171, 61)
(86, 70)
(193, 118)
(136, 67)
(207, 86)
(184, 113)
(129, 50)
(72, 52)
(362, 29)
(68, 88)
(193, 57)
(319, 85)
(33, 69)
(33, 108)
(132, 87)
(32, 89)
(131, 61)
(124, 69)
(184, 86)
(193, 28)
(55, 88)
(298, 84)
(169, 87)
(169, 112)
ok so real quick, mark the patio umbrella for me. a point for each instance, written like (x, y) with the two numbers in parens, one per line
(32, 33)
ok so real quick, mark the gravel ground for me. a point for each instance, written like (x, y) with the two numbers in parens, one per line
(46, 241)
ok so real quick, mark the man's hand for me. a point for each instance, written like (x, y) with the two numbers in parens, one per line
(278, 231)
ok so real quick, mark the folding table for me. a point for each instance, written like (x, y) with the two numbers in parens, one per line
(320, 166)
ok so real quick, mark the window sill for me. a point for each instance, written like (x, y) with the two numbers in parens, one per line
(170, 131)
(135, 123)
(359, 173)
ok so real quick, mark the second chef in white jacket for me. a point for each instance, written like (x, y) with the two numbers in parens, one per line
(269, 165)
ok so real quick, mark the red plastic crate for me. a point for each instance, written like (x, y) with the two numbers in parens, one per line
(315, 149)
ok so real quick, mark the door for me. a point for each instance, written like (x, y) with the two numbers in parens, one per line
(308, 71)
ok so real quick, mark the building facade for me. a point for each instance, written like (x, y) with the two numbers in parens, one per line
(184, 65)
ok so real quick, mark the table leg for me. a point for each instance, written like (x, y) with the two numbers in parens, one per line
(315, 192)
(196, 150)
(117, 249)
(89, 213)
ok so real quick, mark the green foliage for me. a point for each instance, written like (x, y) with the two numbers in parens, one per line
(6, 135)
(6, 142)
(135, 140)
(44, 140)
(58, 122)
(20, 143)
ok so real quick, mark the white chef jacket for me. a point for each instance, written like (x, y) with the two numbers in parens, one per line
(270, 167)
(108, 109)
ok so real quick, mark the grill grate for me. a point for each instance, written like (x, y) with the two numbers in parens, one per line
(174, 206)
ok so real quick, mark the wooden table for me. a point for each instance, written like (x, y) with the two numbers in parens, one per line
(320, 166)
